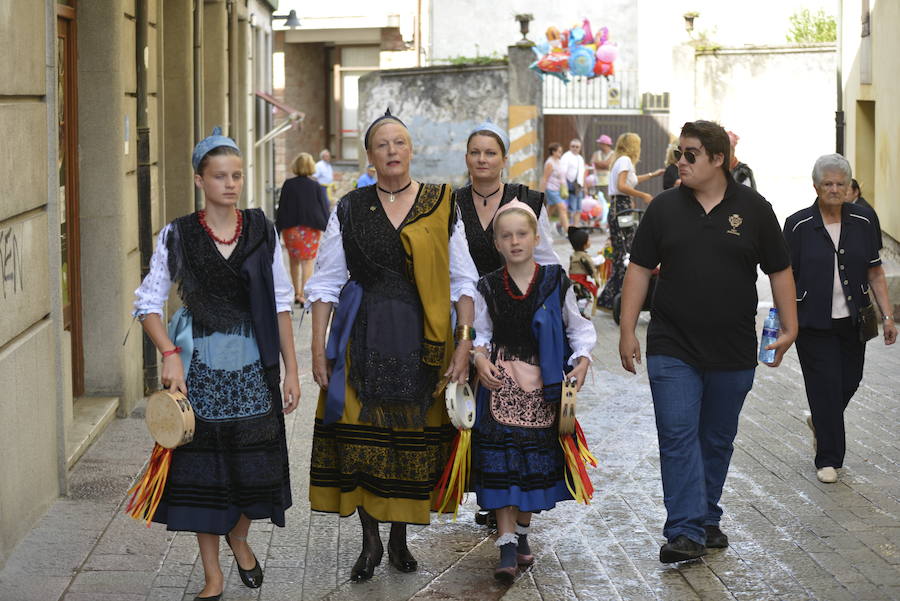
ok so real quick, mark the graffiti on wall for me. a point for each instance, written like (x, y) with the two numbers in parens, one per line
(12, 275)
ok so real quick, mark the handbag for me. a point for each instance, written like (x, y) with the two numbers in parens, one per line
(564, 191)
(868, 323)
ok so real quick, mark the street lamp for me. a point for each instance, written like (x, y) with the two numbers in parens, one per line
(291, 19)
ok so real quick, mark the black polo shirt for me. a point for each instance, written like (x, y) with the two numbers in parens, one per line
(813, 254)
(704, 307)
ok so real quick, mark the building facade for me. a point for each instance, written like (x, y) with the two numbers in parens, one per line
(100, 104)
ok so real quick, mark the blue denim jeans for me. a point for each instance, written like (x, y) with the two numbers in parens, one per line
(696, 421)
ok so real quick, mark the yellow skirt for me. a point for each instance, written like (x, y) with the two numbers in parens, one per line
(390, 472)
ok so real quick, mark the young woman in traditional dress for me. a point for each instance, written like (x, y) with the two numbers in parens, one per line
(382, 434)
(528, 332)
(228, 266)
(486, 154)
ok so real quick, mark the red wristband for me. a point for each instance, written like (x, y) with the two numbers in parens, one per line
(174, 351)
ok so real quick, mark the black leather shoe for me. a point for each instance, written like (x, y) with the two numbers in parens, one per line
(213, 598)
(252, 578)
(365, 565)
(715, 538)
(681, 549)
(402, 559)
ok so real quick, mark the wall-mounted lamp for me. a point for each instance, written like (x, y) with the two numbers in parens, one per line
(291, 19)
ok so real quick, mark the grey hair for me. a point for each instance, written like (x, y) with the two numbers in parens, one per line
(322, 153)
(830, 162)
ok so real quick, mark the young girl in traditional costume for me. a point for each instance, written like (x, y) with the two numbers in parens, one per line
(231, 278)
(528, 331)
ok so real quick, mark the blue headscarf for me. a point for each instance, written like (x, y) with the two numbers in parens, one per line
(213, 141)
(488, 125)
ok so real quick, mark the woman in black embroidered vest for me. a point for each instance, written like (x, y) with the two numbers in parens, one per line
(382, 434)
(228, 267)
(486, 155)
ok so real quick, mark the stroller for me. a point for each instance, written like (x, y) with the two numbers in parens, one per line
(628, 221)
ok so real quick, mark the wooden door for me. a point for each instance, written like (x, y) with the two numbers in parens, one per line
(67, 162)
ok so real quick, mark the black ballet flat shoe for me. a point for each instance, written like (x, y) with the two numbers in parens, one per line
(365, 565)
(252, 578)
(213, 598)
(402, 559)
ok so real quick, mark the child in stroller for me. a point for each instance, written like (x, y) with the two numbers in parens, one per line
(582, 270)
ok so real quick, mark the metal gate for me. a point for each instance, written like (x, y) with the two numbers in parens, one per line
(652, 128)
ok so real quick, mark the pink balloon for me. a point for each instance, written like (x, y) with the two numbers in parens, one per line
(596, 211)
(607, 53)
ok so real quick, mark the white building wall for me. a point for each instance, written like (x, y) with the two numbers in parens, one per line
(780, 101)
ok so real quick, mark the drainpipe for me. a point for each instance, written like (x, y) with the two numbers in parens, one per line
(233, 100)
(839, 113)
(145, 220)
(198, 87)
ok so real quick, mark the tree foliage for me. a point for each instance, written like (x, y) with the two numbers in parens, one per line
(808, 27)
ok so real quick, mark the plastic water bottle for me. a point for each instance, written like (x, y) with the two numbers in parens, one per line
(769, 335)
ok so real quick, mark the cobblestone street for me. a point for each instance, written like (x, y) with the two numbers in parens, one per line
(792, 537)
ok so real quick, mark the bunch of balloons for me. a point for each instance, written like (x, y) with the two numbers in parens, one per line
(575, 51)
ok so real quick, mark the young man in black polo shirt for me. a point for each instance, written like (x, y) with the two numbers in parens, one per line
(708, 236)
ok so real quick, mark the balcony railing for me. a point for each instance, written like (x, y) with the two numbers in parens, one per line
(584, 96)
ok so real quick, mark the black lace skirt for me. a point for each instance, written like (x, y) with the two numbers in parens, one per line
(392, 384)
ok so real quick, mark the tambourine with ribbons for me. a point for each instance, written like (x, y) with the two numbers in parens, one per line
(454, 480)
(170, 420)
(574, 445)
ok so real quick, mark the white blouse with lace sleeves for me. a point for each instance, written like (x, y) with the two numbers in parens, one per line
(331, 266)
(544, 253)
(153, 292)
(463, 273)
(284, 289)
(580, 331)
(484, 327)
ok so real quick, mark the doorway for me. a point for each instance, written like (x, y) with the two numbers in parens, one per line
(67, 164)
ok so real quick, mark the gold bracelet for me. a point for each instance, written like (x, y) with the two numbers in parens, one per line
(465, 332)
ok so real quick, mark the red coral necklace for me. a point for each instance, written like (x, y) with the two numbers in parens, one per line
(508, 288)
(201, 216)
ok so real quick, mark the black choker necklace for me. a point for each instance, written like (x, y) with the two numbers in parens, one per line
(484, 197)
(392, 194)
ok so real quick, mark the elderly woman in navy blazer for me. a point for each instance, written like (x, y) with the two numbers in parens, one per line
(834, 252)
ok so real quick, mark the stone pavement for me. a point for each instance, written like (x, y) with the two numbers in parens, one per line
(792, 538)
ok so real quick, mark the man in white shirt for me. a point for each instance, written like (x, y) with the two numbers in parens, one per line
(573, 163)
(324, 171)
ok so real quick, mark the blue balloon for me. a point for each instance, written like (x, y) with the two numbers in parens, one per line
(541, 48)
(581, 62)
(576, 35)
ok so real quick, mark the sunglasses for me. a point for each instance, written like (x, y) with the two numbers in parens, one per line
(689, 155)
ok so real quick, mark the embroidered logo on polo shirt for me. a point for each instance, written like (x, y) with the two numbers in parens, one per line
(735, 221)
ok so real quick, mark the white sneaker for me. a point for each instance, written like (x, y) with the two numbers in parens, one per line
(809, 423)
(828, 475)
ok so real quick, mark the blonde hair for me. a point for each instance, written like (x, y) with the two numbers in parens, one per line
(378, 125)
(670, 154)
(629, 145)
(303, 164)
(516, 211)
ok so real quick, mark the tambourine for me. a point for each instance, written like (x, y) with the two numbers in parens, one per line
(460, 405)
(567, 406)
(170, 419)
